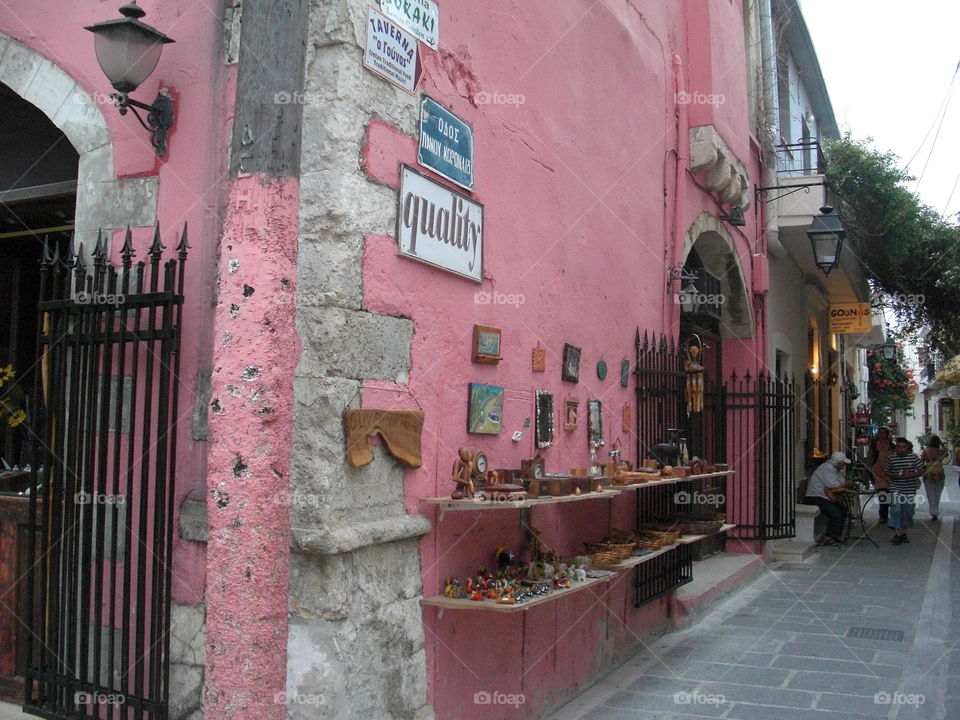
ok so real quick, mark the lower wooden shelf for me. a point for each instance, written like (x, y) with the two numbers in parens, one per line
(694, 538)
(445, 603)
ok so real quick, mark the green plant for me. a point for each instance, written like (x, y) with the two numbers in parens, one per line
(891, 386)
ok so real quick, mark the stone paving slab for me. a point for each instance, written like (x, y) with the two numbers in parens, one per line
(778, 650)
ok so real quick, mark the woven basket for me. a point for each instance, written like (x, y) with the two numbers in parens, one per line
(601, 553)
(654, 540)
(701, 527)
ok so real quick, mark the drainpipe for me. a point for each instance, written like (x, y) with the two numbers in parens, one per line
(682, 124)
(771, 121)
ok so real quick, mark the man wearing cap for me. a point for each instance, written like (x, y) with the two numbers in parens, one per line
(825, 479)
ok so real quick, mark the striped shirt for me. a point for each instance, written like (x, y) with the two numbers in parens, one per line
(908, 463)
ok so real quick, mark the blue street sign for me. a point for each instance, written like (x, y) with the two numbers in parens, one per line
(446, 144)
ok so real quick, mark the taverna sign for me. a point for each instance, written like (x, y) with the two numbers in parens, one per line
(439, 226)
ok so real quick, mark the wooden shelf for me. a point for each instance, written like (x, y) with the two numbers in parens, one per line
(446, 503)
(694, 538)
(445, 603)
(672, 480)
(635, 560)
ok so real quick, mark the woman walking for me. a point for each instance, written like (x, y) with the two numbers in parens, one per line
(880, 449)
(934, 456)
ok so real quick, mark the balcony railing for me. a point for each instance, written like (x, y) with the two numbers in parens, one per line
(800, 158)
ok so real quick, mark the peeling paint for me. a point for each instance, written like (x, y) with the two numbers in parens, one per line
(247, 291)
(250, 373)
(233, 265)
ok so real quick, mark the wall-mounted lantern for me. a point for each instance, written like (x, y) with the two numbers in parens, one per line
(826, 234)
(128, 51)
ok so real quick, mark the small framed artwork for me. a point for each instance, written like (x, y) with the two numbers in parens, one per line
(544, 414)
(595, 422)
(486, 344)
(539, 359)
(626, 419)
(485, 410)
(624, 372)
(571, 363)
(571, 406)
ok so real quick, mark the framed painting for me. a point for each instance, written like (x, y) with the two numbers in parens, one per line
(485, 409)
(544, 419)
(571, 406)
(486, 344)
(571, 363)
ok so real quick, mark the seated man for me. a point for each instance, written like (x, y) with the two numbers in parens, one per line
(826, 479)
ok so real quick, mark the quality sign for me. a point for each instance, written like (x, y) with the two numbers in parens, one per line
(439, 226)
(446, 143)
(391, 51)
(420, 17)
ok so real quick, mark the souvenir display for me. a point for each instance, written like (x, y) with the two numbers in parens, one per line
(602, 369)
(486, 344)
(624, 372)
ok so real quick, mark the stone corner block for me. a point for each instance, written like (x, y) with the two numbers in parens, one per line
(354, 344)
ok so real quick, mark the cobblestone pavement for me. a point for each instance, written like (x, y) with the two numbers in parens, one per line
(786, 648)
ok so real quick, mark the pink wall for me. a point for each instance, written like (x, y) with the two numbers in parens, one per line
(579, 231)
(191, 186)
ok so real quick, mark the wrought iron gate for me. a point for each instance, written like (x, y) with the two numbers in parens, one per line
(761, 415)
(104, 415)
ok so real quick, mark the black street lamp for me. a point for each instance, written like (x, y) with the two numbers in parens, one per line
(889, 350)
(128, 51)
(826, 234)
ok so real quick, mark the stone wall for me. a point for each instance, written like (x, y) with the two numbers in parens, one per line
(187, 657)
(356, 643)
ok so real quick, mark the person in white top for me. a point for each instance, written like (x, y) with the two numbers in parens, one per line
(826, 479)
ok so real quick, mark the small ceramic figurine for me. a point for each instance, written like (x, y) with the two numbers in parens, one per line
(580, 574)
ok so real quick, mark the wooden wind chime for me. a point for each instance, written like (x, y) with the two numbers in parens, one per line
(695, 372)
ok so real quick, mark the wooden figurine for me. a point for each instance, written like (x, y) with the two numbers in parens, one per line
(463, 468)
(695, 372)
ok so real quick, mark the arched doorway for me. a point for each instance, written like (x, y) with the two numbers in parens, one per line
(38, 186)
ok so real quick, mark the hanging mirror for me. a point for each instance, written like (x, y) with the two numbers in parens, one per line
(595, 423)
(544, 419)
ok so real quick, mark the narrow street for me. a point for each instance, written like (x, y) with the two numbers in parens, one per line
(783, 647)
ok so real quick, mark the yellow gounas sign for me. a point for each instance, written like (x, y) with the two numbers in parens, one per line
(850, 318)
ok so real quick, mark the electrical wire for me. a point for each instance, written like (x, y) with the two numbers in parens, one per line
(943, 115)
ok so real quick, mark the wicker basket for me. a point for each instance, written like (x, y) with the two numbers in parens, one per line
(601, 553)
(701, 527)
(654, 540)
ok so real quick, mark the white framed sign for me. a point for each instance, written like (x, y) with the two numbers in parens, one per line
(439, 226)
(420, 17)
(391, 51)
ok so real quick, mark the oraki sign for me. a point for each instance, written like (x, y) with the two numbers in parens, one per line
(850, 318)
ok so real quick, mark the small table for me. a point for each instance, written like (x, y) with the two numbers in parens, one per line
(855, 507)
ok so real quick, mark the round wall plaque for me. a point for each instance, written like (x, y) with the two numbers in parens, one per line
(602, 369)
